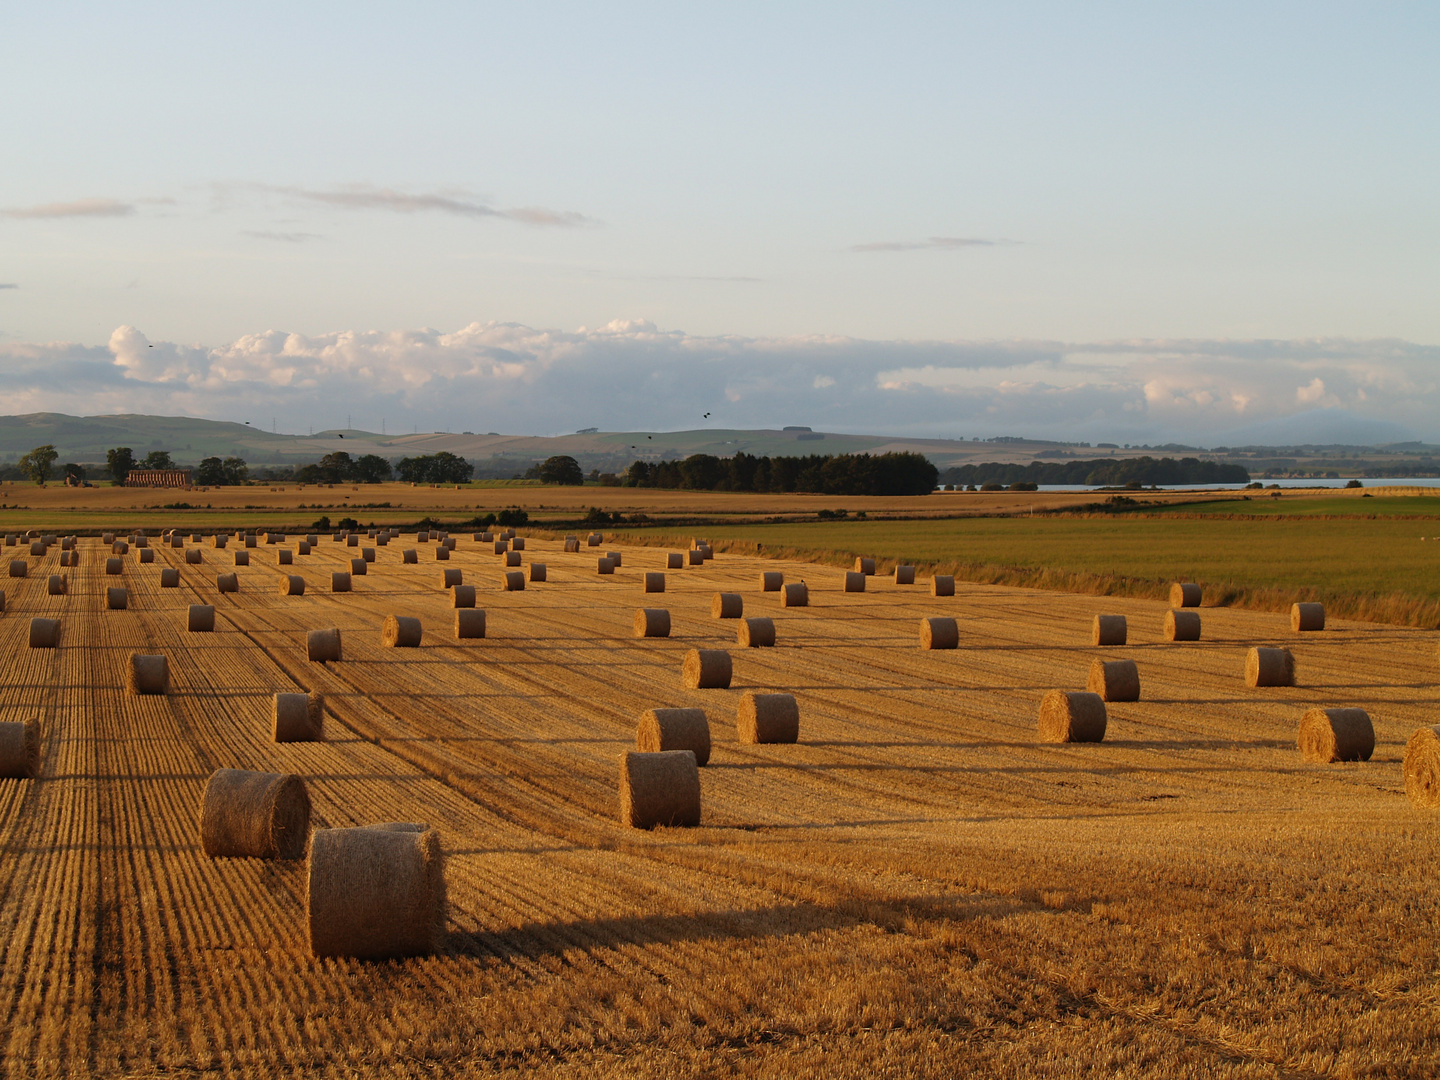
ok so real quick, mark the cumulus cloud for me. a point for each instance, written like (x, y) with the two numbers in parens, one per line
(942, 243)
(629, 375)
(81, 208)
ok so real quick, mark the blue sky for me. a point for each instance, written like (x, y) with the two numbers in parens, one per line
(1132, 182)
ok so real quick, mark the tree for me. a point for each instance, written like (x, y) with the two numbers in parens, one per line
(211, 472)
(119, 461)
(372, 469)
(77, 471)
(561, 469)
(236, 471)
(441, 468)
(38, 463)
(157, 459)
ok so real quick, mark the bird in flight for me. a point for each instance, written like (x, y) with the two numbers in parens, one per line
(342, 436)
(707, 416)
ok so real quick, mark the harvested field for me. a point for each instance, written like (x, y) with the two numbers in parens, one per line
(918, 887)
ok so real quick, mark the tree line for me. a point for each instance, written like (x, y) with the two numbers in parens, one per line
(1101, 472)
(896, 473)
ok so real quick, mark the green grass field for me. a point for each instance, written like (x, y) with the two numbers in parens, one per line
(1417, 506)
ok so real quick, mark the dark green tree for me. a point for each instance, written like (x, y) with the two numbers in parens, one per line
(119, 461)
(38, 463)
(156, 459)
(211, 472)
(561, 469)
(372, 469)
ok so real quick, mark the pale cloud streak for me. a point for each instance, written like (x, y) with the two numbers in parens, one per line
(77, 208)
(456, 203)
(935, 243)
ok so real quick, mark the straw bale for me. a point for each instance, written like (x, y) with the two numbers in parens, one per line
(376, 892)
(767, 718)
(864, 566)
(1072, 716)
(114, 566)
(195, 555)
(659, 789)
(283, 557)
(117, 598)
(727, 605)
(1184, 594)
(1336, 735)
(147, 555)
(254, 815)
(674, 729)
(105, 538)
(771, 580)
(512, 558)
(442, 554)
(299, 717)
(614, 557)
(1108, 630)
(904, 575)
(242, 558)
(595, 539)
(141, 540)
(707, 553)
(218, 541)
(359, 567)
(292, 585)
(470, 623)
(1305, 617)
(227, 582)
(37, 547)
(939, 632)
(44, 633)
(1422, 767)
(604, 566)
(1182, 625)
(706, 669)
(537, 571)
(20, 750)
(795, 595)
(942, 585)
(501, 547)
(1269, 667)
(652, 622)
(148, 674)
(756, 632)
(339, 581)
(250, 540)
(19, 568)
(200, 618)
(55, 586)
(462, 596)
(177, 540)
(572, 544)
(675, 560)
(518, 544)
(401, 632)
(450, 578)
(654, 581)
(1114, 680)
(169, 578)
(854, 581)
(513, 581)
(322, 645)
(119, 547)
(409, 555)
(302, 548)
(352, 539)
(695, 557)
(313, 539)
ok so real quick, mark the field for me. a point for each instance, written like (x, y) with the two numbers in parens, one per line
(918, 888)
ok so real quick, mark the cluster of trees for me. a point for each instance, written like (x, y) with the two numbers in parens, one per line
(341, 468)
(439, 468)
(1101, 472)
(560, 469)
(120, 460)
(901, 473)
(213, 472)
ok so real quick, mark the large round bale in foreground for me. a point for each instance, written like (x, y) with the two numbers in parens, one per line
(299, 717)
(147, 555)
(195, 556)
(1269, 667)
(654, 581)
(659, 789)
(44, 633)
(368, 554)
(1336, 735)
(169, 578)
(537, 571)
(358, 567)
(19, 568)
(1184, 594)
(706, 669)
(727, 605)
(1422, 767)
(450, 578)
(854, 581)
(1182, 625)
(114, 566)
(756, 632)
(323, 645)
(56, 585)
(1304, 617)
(227, 582)
(904, 575)
(292, 585)
(117, 598)
(864, 566)
(939, 632)
(339, 581)
(1072, 716)
(767, 718)
(148, 674)
(942, 585)
(1114, 680)
(652, 622)
(674, 729)
(376, 892)
(410, 555)
(1109, 630)
(695, 557)
(462, 596)
(20, 750)
(443, 553)
(771, 581)
(470, 623)
(254, 815)
(200, 619)
(513, 581)
(401, 632)
(242, 558)
(512, 558)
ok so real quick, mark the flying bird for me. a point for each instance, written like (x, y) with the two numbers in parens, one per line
(342, 436)
(707, 416)
(649, 436)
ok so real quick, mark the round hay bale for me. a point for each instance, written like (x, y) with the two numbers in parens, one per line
(200, 619)
(614, 557)
(674, 729)
(1182, 625)
(1184, 594)
(706, 669)
(56, 585)
(169, 578)
(652, 622)
(218, 541)
(401, 632)
(1306, 617)
(512, 558)
(854, 581)
(339, 581)
(195, 556)
(771, 580)
(299, 717)
(654, 581)
(707, 553)
(242, 558)
(795, 595)
(409, 555)
(939, 632)
(1422, 767)
(604, 566)
(422, 537)
(450, 578)
(470, 623)
(501, 547)
(20, 750)
(675, 560)
(114, 566)
(695, 557)
(120, 547)
(322, 645)
(292, 585)
(283, 557)
(37, 548)
(572, 544)
(756, 632)
(250, 540)
(227, 582)
(352, 539)
(302, 548)
(376, 892)
(1269, 667)
(767, 718)
(176, 540)
(19, 568)
(1109, 630)
(513, 581)
(462, 596)
(1114, 680)
(942, 585)
(442, 554)
(105, 538)
(147, 555)
(254, 815)
(1072, 716)
(117, 598)
(727, 605)
(141, 540)
(866, 567)
(537, 571)
(44, 633)
(659, 789)
(518, 544)
(358, 567)
(1336, 735)
(148, 674)
(904, 575)
(595, 539)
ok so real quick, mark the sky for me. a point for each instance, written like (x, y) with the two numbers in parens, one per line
(1077, 221)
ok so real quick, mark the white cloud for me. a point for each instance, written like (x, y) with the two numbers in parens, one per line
(76, 208)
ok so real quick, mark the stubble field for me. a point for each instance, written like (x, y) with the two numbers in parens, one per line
(919, 887)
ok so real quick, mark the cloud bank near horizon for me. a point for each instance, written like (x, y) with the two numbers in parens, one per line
(631, 375)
